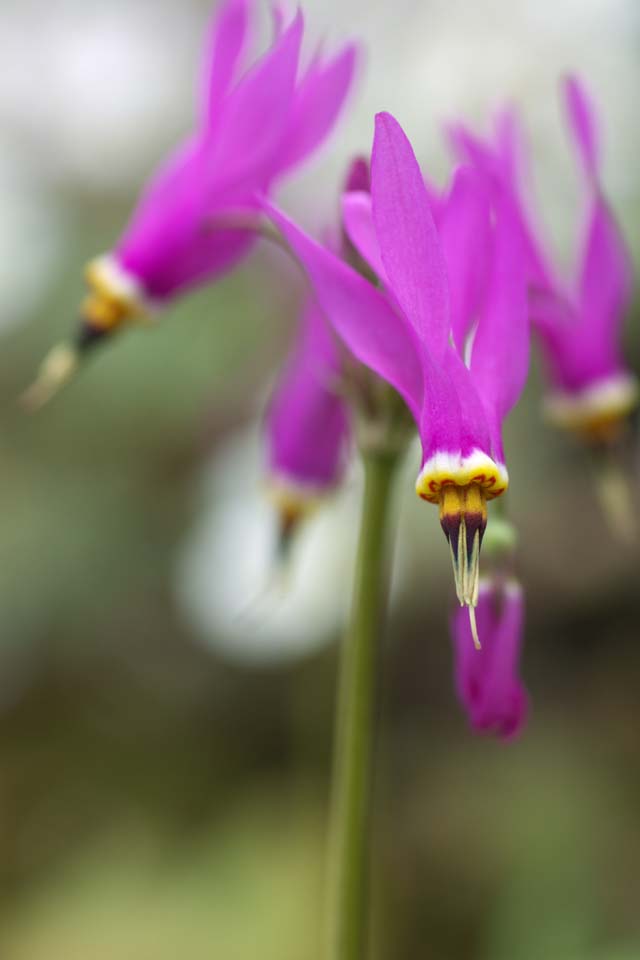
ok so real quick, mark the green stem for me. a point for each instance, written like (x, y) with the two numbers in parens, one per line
(349, 834)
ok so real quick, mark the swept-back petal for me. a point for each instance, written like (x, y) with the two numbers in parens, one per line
(361, 316)
(500, 354)
(226, 43)
(358, 177)
(307, 422)
(583, 124)
(317, 103)
(505, 162)
(465, 233)
(253, 118)
(409, 243)
(357, 217)
(453, 421)
(605, 289)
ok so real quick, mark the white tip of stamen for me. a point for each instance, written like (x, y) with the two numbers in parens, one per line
(474, 627)
(616, 499)
(56, 370)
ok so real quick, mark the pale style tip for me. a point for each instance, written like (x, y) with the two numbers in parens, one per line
(57, 369)
(474, 627)
(616, 499)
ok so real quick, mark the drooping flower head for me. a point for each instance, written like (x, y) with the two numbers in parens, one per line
(307, 426)
(448, 330)
(578, 318)
(255, 124)
(487, 680)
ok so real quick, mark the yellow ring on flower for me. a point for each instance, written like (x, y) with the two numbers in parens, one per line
(448, 469)
(115, 296)
(598, 410)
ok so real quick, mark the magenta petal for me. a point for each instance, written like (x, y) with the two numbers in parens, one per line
(583, 125)
(606, 280)
(253, 117)
(226, 44)
(307, 421)
(361, 316)
(505, 164)
(357, 217)
(409, 243)
(358, 179)
(317, 103)
(500, 354)
(453, 418)
(465, 233)
(487, 680)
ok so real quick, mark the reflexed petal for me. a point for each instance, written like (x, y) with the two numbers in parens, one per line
(307, 422)
(358, 177)
(409, 243)
(317, 103)
(253, 117)
(361, 316)
(453, 419)
(469, 148)
(357, 217)
(505, 164)
(583, 124)
(226, 44)
(465, 233)
(500, 354)
(606, 280)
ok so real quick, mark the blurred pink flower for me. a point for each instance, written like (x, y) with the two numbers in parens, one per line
(254, 127)
(487, 680)
(578, 320)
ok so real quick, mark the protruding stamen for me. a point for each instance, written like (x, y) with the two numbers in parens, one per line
(474, 627)
(57, 369)
(463, 517)
(616, 497)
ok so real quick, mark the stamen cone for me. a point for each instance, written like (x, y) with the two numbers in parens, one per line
(463, 518)
(56, 370)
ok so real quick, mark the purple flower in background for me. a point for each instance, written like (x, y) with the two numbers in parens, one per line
(253, 128)
(448, 330)
(196, 217)
(307, 424)
(578, 319)
(487, 680)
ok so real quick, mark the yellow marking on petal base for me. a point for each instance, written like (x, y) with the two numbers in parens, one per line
(293, 504)
(450, 470)
(293, 500)
(597, 413)
(114, 297)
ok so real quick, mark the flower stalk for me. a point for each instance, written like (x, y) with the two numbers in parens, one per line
(350, 816)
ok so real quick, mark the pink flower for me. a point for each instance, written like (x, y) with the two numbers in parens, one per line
(578, 319)
(256, 124)
(196, 218)
(448, 330)
(487, 680)
(307, 425)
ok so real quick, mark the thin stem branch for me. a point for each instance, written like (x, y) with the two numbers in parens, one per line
(349, 834)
